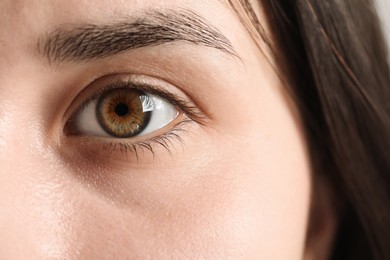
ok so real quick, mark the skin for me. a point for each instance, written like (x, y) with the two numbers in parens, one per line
(237, 186)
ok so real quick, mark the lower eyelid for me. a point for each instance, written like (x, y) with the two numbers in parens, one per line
(106, 151)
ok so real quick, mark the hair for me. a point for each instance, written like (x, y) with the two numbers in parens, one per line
(333, 58)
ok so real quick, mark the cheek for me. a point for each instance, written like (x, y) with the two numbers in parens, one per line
(265, 197)
(234, 201)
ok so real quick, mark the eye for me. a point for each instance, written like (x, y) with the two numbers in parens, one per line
(123, 113)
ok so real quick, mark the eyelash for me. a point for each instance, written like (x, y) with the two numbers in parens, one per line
(165, 140)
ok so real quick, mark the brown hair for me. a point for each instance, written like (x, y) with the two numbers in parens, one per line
(333, 57)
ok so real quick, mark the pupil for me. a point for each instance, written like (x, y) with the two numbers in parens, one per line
(121, 109)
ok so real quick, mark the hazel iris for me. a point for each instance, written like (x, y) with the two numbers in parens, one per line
(123, 112)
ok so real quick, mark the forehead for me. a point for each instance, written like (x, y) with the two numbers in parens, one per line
(51, 13)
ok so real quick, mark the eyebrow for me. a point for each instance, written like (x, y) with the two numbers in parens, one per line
(89, 42)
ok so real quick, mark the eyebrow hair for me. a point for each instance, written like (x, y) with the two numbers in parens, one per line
(88, 42)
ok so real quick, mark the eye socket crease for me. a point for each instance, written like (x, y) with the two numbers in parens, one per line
(152, 28)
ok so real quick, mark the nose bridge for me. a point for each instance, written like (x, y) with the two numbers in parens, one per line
(35, 194)
(18, 107)
(31, 193)
(14, 179)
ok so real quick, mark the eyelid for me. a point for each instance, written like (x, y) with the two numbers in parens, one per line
(113, 152)
(145, 84)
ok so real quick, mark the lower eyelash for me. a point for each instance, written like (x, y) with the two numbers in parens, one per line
(165, 140)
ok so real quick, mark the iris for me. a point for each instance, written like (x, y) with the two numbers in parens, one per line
(123, 112)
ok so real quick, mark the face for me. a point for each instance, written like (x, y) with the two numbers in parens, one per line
(145, 129)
